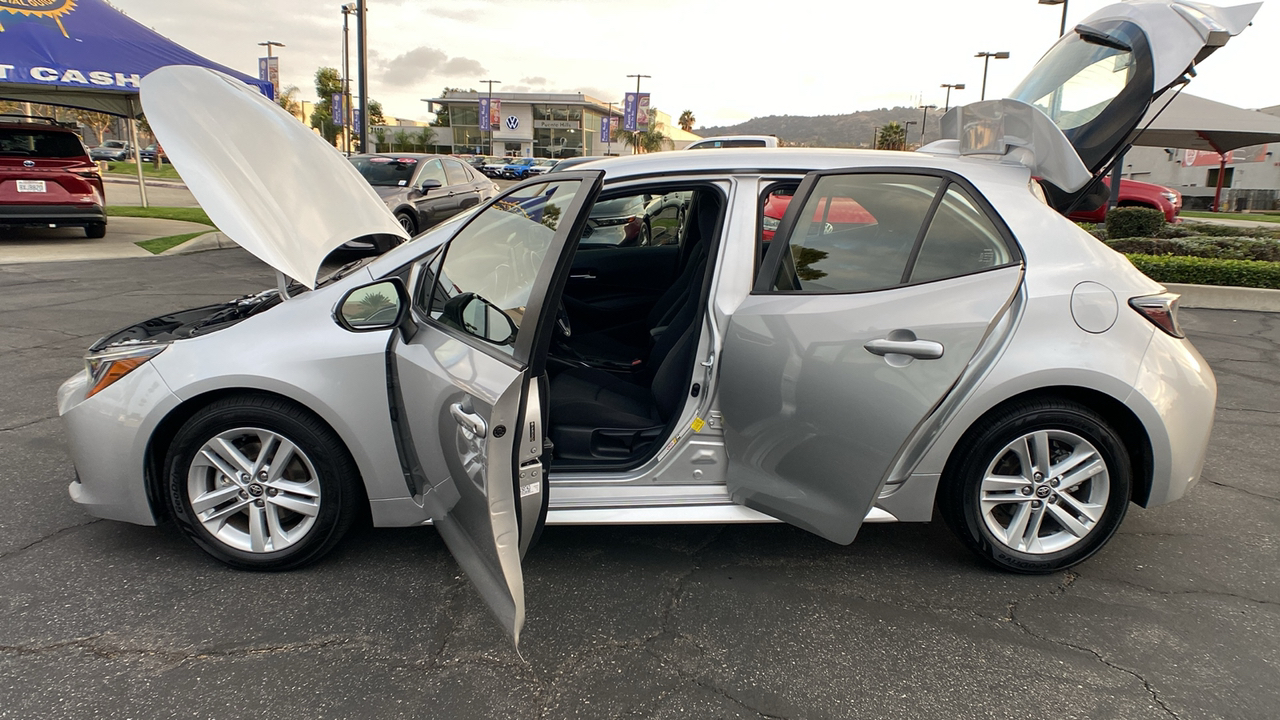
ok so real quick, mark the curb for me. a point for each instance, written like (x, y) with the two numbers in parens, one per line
(1221, 297)
(214, 240)
(151, 182)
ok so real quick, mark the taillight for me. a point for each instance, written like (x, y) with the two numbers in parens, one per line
(1161, 310)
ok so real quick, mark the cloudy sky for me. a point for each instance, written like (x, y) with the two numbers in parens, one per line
(726, 62)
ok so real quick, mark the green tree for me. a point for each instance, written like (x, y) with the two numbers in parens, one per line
(687, 120)
(288, 99)
(425, 137)
(649, 140)
(892, 137)
(399, 139)
(375, 113)
(328, 82)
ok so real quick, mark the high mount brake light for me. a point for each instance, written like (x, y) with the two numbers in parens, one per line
(1161, 310)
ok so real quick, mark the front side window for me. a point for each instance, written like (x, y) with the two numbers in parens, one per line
(489, 268)
(433, 170)
(385, 171)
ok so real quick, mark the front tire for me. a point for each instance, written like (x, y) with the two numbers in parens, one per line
(261, 484)
(1037, 488)
(407, 222)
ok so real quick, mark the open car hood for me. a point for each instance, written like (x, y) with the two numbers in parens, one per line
(1080, 106)
(266, 180)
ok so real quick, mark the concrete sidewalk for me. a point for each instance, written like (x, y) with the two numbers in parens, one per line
(63, 244)
(1231, 222)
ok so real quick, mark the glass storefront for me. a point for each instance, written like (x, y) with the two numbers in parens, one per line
(557, 142)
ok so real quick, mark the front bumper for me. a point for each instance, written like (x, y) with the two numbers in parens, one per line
(72, 215)
(108, 434)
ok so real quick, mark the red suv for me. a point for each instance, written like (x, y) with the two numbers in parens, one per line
(47, 178)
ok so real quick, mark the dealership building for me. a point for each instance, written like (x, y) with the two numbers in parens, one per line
(546, 125)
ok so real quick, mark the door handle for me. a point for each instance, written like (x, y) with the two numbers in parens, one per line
(912, 347)
(470, 421)
(582, 276)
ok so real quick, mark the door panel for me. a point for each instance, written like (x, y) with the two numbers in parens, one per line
(817, 404)
(466, 385)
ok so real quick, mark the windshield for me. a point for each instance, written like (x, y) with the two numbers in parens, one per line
(113, 144)
(39, 143)
(384, 171)
(1076, 80)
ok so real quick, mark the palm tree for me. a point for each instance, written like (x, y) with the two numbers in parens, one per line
(687, 120)
(288, 100)
(649, 140)
(892, 137)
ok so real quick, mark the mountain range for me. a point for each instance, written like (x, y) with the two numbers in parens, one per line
(851, 130)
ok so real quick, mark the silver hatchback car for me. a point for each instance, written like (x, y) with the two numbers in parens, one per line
(922, 330)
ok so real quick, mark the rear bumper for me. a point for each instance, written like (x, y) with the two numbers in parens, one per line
(20, 215)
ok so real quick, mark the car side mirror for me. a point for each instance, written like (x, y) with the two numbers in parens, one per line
(380, 305)
(480, 318)
(429, 184)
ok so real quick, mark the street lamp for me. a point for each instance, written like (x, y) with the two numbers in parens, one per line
(275, 82)
(362, 71)
(488, 121)
(950, 87)
(347, 10)
(875, 136)
(906, 131)
(1062, 29)
(270, 44)
(925, 119)
(986, 60)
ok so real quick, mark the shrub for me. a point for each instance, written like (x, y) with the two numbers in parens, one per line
(1230, 248)
(1192, 229)
(1208, 271)
(1125, 222)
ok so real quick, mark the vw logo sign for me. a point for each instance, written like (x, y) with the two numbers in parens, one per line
(28, 163)
(513, 122)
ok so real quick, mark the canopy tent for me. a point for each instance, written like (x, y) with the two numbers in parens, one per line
(86, 54)
(1194, 123)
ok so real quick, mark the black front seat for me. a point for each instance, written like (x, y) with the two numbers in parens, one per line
(598, 416)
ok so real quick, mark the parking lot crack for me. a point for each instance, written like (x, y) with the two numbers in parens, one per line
(29, 423)
(1155, 696)
(1242, 490)
(50, 536)
(1211, 593)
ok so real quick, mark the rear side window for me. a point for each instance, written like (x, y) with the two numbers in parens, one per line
(728, 144)
(455, 172)
(865, 232)
(855, 233)
(40, 143)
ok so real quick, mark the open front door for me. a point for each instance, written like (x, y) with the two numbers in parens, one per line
(466, 388)
(876, 292)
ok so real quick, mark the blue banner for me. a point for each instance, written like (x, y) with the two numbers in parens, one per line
(484, 114)
(635, 112)
(355, 122)
(606, 129)
(335, 109)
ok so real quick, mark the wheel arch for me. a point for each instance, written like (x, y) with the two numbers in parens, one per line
(1119, 416)
(167, 429)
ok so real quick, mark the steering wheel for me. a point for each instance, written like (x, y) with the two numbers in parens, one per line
(562, 321)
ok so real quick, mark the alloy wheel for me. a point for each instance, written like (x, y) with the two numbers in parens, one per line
(254, 490)
(1044, 492)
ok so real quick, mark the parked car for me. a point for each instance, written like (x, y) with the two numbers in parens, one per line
(569, 163)
(148, 154)
(423, 190)
(1135, 193)
(47, 178)
(494, 166)
(518, 168)
(970, 350)
(734, 141)
(542, 166)
(113, 150)
(840, 214)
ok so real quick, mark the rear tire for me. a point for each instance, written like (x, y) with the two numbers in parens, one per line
(227, 497)
(407, 222)
(1038, 487)
(95, 230)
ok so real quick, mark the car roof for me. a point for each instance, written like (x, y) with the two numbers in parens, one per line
(414, 156)
(798, 161)
(43, 127)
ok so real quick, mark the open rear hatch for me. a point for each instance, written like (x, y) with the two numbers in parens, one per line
(1095, 85)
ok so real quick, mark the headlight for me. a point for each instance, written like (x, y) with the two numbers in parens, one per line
(108, 366)
(770, 224)
(1171, 197)
(609, 222)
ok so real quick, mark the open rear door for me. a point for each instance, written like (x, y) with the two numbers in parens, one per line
(466, 388)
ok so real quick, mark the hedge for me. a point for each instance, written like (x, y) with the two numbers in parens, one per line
(1208, 271)
(1227, 248)
(1124, 222)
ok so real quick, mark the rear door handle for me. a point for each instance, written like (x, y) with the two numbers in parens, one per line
(470, 421)
(919, 349)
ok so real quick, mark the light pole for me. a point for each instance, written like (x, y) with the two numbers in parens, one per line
(646, 120)
(347, 9)
(609, 119)
(270, 44)
(875, 135)
(275, 84)
(950, 87)
(488, 121)
(925, 119)
(362, 71)
(1062, 28)
(637, 77)
(906, 131)
(986, 60)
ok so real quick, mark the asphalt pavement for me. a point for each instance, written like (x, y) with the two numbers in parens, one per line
(25, 245)
(1176, 618)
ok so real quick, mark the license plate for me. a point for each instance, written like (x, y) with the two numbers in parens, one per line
(31, 186)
